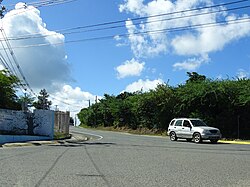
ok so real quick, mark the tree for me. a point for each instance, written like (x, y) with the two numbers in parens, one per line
(8, 97)
(2, 10)
(220, 103)
(71, 121)
(195, 77)
(43, 102)
(26, 101)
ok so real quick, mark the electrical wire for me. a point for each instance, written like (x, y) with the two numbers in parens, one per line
(43, 4)
(63, 31)
(33, 36)
(16, 63)
(61, 101)
(174, 29)
(34, 3)
(2, 59)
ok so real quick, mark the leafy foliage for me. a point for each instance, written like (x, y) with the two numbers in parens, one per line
(42, 102)
(8, 98)
(224, 104)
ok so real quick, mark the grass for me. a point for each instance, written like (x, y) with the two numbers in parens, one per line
(60, 136)
(145, 131)
(140, 131)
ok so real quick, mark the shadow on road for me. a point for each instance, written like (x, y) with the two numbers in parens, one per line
(79, 144)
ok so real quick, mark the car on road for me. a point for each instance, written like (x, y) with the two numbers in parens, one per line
(192, 129)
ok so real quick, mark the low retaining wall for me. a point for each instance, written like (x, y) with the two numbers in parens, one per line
(19, 126)
(62, 120)
(21, 138)
(16, 126)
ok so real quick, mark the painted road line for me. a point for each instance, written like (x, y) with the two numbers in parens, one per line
(85, 133)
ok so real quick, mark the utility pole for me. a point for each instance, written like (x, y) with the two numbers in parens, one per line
(75, 120)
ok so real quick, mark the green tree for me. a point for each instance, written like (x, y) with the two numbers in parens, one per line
(26, 101)
(220, 103)
(2, 10)
(8, 97)
(195, 77)
(42, 102)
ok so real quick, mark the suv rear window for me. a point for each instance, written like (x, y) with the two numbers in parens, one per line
(172, 123)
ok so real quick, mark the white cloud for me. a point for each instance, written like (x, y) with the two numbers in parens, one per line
(144, 85)
(191, 64)
(44, 66)
(72, 99)
(130, 68)
(154, 43)
(146, 45)
(194, 43)
(135, 6)
(211, 39)
(242, 74)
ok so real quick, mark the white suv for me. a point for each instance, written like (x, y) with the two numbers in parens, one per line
(192, 129)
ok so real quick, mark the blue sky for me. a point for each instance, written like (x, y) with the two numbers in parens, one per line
(79, 71)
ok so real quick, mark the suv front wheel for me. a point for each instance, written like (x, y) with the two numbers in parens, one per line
(173, 136)
(197, 137)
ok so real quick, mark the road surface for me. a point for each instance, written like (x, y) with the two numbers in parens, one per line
(119, 159)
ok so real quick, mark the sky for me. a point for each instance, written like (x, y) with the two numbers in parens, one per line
(79, 50)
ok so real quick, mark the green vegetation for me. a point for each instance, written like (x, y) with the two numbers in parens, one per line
(60, 135)
(42, 102)
(8, 97)
(220, 103)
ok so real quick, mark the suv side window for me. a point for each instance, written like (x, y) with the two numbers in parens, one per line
(178, 123)
(186, 123)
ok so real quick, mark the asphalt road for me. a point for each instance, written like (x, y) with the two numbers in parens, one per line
(116, 159)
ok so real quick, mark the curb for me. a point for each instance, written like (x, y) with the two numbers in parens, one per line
(234, 142)
(73, 139)
(31, 143)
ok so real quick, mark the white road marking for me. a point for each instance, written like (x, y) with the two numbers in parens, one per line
(100, 137)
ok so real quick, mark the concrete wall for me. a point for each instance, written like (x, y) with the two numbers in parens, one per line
(44, 120)
(13, 123)
(62, 122)
(21, 138)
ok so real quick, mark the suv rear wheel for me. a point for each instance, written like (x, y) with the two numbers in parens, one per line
(173, 136)
(197, 137)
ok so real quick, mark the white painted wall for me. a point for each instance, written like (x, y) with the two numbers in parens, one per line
(14, 121)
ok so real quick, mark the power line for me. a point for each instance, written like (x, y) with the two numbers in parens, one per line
(42, 4)
(174, 29)
(64, 31)
(165, 14)
(32, 36)
(11, 68)
(34, 3)
(66, 103)
(16, 62)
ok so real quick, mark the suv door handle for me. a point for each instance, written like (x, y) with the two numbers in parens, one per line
(182, 128)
